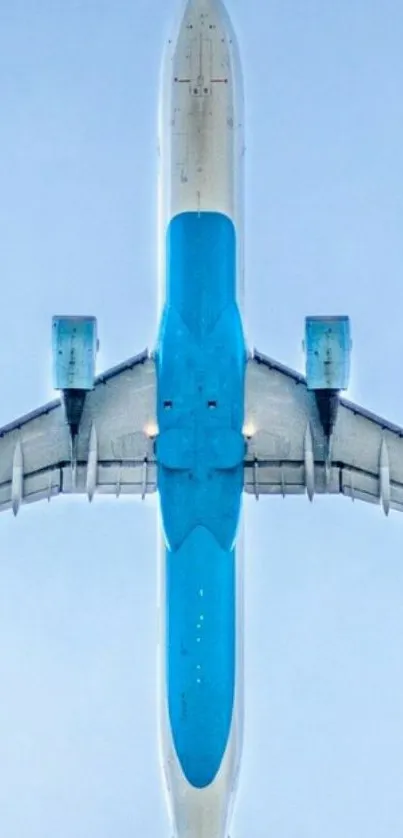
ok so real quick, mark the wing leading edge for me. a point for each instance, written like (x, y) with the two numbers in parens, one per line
(287, 451)
(115, 452)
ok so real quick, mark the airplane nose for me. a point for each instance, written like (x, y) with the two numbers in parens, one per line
(195, 5)
(202, 17)
(200, 7)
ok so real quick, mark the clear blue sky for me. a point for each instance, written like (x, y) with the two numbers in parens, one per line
(324, 620)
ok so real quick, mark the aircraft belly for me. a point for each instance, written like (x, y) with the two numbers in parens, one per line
(201, 362)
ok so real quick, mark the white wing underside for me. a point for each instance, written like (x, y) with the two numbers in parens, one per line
(286, 449)
(287, 452)
(114, 451)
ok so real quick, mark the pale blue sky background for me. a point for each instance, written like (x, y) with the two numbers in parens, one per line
(324, 633)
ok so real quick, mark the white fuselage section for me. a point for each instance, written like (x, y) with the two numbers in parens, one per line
(201, 135)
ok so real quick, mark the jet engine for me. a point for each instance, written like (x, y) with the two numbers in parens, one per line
(328, 349)
(75, 346)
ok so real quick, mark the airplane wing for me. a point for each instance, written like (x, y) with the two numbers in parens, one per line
(114, 450)
(287, 450)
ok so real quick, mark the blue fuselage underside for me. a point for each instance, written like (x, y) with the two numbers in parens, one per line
(200, 451)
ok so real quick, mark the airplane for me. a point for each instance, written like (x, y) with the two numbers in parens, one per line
(201, 420)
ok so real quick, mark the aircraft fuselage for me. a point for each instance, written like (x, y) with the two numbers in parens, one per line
(201, 361)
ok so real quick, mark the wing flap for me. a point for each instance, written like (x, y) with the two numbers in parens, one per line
(288, 478)
(360, 486)
(40, 486)
(113, 478)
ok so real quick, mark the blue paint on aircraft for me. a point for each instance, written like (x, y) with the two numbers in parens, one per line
(201, 361)
(200, 583)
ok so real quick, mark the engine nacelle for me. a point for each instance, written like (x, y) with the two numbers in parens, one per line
(75, 346)
(74, 352)
(328, 349)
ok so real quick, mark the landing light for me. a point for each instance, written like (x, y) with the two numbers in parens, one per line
(151, 430)
(249, 430)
